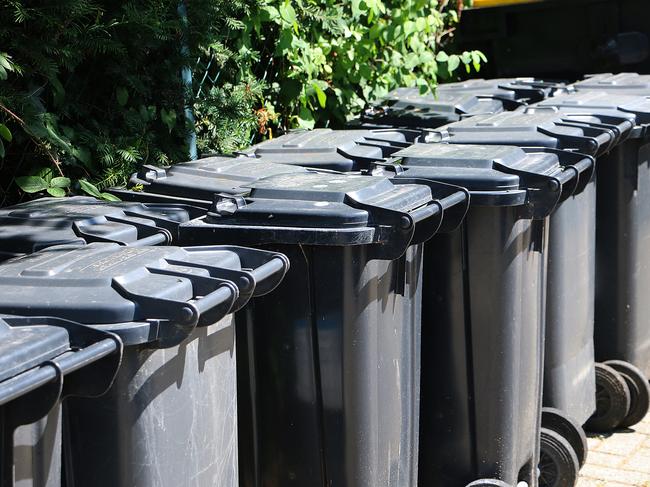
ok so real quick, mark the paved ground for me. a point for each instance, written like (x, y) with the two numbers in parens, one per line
(621, 459)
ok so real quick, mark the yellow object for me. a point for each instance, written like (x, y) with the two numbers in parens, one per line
(498, 3)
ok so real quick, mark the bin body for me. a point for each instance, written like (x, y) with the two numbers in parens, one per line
(337, 372)
(623, 256)
(37, 452)
(170, 418)
(482, 382)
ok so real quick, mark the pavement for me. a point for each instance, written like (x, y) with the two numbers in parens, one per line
(620, 459)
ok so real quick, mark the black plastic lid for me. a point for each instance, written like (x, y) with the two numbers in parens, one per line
(201, 179)
(43, 359)
(545, 127)
(529, 90)
(122, 287)
(330, 209)
(337, 150)
(600, 101)
(24, 347)
(500, 175)
(622, 83)
(406, 107)
(29, 227)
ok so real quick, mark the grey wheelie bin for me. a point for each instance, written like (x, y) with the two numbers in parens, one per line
(569, 366)
(523, 89)
(622, 334)
(169, 419)
(621, 83)
(28, 227)
(43, 360)
(332, 386)
(326, 149)
(406, 107)
(205, 176)
(483, 302)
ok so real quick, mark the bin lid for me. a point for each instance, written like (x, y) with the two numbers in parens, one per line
(329, 209)
(406, 107)
(586, 101)
(34, 225)
(622, 83)
(200, 179)
(109, 284)
(498, 175)
(535, 128)
(337, 150)
(25, 347)
(526, 89)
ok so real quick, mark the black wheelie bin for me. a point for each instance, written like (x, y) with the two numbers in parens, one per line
(170, 417)
(622, 334)
(523, 89)
(570, 387)
(483, 306)
(621, 83)
(334, 356)
(28, 227)
(336, 150)
(407, 107)
(43, 360)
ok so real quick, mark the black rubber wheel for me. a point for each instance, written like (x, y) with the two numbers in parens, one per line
(570, 430)
(489, 483)
(558, 463)
(612, 400)
(639, 388)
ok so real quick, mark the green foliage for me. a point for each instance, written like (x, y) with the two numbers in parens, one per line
(90, 89)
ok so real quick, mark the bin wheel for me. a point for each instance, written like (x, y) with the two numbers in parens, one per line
(639, 388)
(489, 483)
(571, 431)
(612, 400)
(558, 463)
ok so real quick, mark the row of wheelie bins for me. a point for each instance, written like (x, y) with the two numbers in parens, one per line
(447, 294)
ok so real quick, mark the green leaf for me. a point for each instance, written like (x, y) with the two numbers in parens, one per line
(3, 73)
(5, 133)
(306, 119)
(442, 57)
(2, 149)
(109, 197)
(320, 94)
(31, 184)
(122, 96)
(453, 63)
(168, 117)
(60, 182)
(287, 13)
(56, 192)
(89, 188)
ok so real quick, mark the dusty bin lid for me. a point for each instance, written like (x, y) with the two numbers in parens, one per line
(141, 293)
(406, 107)
(331, 209)
(337, 150)
(544, 127)
(499, 175)
(199, 180)
(528, 90)
(622, 83)
(29, 227)
(43, 351)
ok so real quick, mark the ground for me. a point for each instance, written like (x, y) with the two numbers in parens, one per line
(621, 459)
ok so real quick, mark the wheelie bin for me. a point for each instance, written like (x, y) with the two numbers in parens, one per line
(206, 176)
(569, 369)
(528, 90)
(621, 83)
(169, 419)
(337, 150)
(28, 227)
(332, 385)
(406, 107)
(483, 303)
(43, 360)
(622, 335)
